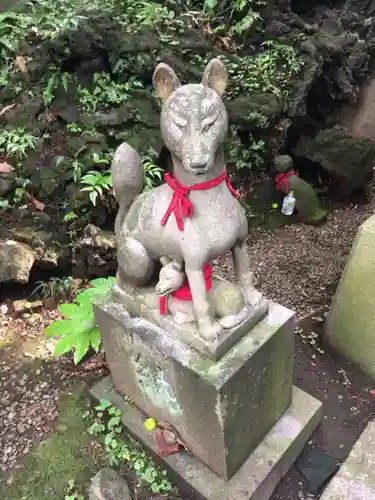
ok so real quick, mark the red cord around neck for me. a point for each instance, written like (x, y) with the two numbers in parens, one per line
(282, 180)
(180, 204)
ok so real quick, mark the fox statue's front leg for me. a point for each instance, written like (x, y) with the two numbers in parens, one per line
(208, 328)
(244, 275)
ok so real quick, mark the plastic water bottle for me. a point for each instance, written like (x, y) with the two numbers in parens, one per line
(289, 203)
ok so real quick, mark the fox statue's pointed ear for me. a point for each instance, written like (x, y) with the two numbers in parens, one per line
(165, 81)
(164, 261)
(178, 266)
(216, 76)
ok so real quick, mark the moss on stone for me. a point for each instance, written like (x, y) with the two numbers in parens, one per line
(62, 457)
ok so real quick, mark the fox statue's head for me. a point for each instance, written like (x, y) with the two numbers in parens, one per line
(171, 278)
(194, 121)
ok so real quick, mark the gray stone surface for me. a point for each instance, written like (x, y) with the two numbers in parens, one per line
(356, 478)
(351, 322)
(108, 485)
(176, 220)
(222, 409)
(16, 261)
(263, 469)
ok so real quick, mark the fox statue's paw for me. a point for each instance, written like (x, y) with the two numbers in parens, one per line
(252, 297)
(210, 330)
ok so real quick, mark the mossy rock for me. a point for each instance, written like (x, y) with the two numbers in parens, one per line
(344, 156)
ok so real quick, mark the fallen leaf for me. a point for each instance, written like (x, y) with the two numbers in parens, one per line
(5, 168)
(6, 108)
(20, 63)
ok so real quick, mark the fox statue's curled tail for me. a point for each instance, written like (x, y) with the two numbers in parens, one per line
(127, 180)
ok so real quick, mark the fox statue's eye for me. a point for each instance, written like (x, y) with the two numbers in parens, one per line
(180, 121)
(207, 123)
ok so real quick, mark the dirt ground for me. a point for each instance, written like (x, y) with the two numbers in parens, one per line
(297, 265)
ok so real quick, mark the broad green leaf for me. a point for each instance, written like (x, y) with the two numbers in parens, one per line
(95, 339)
(65, 344)
(89, 179)
(82, 312)
(101, 283)
(69, 310)
(81, 347)
(59, 328)
(86, 297)
(93, 195)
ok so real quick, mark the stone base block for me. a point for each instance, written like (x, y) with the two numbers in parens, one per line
(355, 479)
(261, 472)
(351, 323)
(221, 409)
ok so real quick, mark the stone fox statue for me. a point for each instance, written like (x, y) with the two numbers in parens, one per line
(195, 216)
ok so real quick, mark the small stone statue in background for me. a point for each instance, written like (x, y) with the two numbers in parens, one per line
(308, 206)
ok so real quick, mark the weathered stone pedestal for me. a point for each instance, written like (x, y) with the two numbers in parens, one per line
(238, 415)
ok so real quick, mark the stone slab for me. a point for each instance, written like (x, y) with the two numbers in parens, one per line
(221, 409)
(262, 471)
(355, 479)
(350, 326)
(144, 302)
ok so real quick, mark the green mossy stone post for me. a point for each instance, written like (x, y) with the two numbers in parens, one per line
(350, 326)
(222, 408)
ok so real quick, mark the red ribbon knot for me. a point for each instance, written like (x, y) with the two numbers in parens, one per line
(282, 180)
(180, 204)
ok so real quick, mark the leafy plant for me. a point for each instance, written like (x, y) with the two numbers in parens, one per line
(17, 142)
(244, 157)
(77, 128)
(54, 82)
(241, 13)
(56, 288)
(121, 448)
(8, 24)
(97, 183)
(269, 71)
(153, 173)
(105, 92)
(78, 331)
